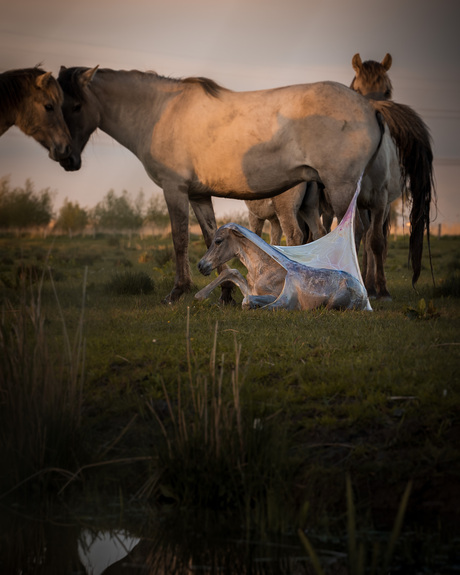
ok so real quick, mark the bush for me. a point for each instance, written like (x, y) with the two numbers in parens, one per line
(119, 212)
(130, 283)
(71, 218)
(24, 207)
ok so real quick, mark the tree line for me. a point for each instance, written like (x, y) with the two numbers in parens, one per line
(24, 207)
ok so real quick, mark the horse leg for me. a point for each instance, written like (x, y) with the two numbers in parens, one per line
(368, 257)
(378, 247)
(257, 301)
(206, 218)
(178, 206)
(310, 211)
(275, 231)
(256, 224)
(227, 275)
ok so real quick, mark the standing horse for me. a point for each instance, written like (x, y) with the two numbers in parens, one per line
(413, 142)
(197, 140)
(410, 160)
(31, 99)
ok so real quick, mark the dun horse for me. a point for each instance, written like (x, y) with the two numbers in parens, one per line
(31, 99)
(197, 140)
(323, 273)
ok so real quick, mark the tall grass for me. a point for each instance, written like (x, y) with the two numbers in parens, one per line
(40, 396)
(361, 560)
(217, 454)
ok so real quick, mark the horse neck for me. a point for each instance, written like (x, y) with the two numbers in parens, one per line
(129, 104)
(253, 256)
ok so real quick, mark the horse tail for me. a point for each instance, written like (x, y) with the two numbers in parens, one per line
(413, 140)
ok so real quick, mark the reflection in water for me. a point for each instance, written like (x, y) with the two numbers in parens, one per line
(171, 546)
(144, 543)
(99, 551)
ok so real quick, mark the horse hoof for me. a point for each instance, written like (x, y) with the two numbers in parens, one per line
(385, 297)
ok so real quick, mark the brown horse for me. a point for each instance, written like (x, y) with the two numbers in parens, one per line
(413, 142)
(31, 99)
(197, 140)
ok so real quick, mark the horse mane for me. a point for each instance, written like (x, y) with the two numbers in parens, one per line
(13, 85)
(413, 140)
(68, 79)
(209, 86)
(371, 70)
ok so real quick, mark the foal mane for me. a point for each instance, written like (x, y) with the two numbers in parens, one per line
(14, 84)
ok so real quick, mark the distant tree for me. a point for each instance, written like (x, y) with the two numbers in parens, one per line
(24, 207)
(157, 211)
(71, 217)
(119, 212)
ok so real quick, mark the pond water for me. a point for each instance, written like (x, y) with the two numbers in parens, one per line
(144, 542)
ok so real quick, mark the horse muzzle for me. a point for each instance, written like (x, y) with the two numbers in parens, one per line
(60, 153)
(71, 163)
(205, 267)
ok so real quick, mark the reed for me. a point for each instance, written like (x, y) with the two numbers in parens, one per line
(216, 453)
(40, 395)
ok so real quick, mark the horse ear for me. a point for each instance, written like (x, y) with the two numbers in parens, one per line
(387, 61)
(357, 63)
(42, 80)
(87, 76)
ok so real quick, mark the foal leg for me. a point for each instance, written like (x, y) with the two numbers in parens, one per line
(227, 275)
(206, 218)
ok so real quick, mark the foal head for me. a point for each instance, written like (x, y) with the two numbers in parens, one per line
(225, 246)
(371, 78)
(32, 99)
(79, 111)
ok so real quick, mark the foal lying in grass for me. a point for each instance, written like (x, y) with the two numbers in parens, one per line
(275, 281)
(322, 273)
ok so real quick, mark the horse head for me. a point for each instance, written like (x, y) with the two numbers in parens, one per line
(39, 112)
(80, 112)
(371, 79)
(224, 247)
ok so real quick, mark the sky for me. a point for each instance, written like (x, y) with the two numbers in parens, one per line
(243, 45)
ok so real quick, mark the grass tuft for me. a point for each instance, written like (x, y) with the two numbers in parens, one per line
(130, 283)
(216, 454)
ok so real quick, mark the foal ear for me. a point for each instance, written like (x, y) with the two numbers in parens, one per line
(387, 61)
(357, 63)
(87, 76)
(42, 80)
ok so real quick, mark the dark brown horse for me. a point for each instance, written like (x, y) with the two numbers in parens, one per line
(413, 142)
(31, 99)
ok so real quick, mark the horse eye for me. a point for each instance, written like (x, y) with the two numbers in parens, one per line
(218, 241)
(49, 107)
(77, 108)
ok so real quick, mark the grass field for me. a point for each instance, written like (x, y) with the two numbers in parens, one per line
(204, 406)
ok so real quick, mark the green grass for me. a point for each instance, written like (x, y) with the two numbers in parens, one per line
(374, 394)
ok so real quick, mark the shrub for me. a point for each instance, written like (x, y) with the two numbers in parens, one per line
(130, 283)
(24, 207)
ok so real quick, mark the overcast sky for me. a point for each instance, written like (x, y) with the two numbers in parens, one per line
(243, 45)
